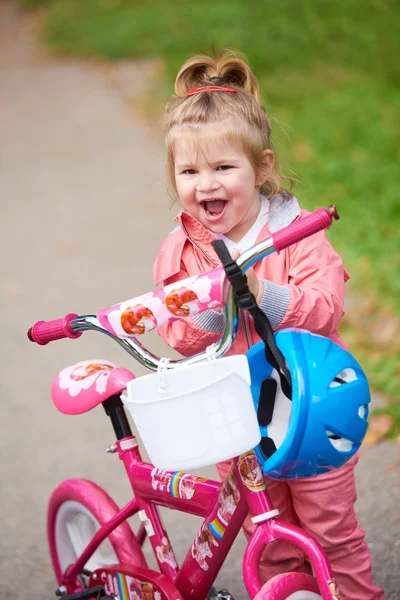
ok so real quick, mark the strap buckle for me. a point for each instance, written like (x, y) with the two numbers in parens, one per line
(244, 298)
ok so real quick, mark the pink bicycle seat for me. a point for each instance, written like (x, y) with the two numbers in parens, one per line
(84, 385)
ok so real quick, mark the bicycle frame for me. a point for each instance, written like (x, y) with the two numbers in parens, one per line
(224, 507)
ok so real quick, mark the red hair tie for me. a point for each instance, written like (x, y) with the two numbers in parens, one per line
(211, 88)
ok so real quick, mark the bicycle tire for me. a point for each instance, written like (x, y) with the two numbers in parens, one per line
(91, 502)
(290, 586)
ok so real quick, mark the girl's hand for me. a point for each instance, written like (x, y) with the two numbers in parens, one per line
(256, 286)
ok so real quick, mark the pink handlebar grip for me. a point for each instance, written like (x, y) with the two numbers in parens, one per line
(44, 332)
(321, 218)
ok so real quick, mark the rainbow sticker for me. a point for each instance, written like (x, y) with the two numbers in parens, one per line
(218, 527)
(182, 485)
(174, 485)
(123, 588)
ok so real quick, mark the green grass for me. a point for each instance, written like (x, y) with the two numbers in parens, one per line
(394, 412)
(276, 34)
(32, 3)
(330, 79)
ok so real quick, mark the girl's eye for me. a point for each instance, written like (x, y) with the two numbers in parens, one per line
(189, 172)
(224, 167)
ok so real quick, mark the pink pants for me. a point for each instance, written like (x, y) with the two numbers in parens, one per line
(324, 507)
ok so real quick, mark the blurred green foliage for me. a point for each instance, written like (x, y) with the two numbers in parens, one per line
(330, 79)
(393, 411)
(275, 34)
(32, 3)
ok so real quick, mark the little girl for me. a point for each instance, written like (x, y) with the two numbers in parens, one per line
(223, 172)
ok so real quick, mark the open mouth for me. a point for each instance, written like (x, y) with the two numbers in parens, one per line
(214, 209)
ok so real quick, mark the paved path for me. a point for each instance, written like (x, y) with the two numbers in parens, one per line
(83, 213)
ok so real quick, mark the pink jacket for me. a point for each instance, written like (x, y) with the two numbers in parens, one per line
(311, 269)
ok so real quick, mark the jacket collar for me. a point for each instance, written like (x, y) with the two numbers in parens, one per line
(194, 229)
(169, 258)
(280, 214)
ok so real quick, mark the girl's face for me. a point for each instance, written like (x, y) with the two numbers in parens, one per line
(217, 185)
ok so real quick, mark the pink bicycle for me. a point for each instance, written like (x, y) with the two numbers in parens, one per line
(191, 413)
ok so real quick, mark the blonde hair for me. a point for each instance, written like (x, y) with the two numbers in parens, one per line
(251, 131)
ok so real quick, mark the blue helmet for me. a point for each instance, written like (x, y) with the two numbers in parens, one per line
(325, 422)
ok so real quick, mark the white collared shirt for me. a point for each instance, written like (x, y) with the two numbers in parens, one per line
(249, 239)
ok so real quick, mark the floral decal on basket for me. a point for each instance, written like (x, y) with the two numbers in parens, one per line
(85, 374)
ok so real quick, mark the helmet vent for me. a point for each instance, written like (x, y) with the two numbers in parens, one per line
(363, 411)
(345, 376)
(341, 444)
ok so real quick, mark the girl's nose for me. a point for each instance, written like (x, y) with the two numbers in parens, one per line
(207, 182)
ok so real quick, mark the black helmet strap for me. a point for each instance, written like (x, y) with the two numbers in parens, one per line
(246, 301)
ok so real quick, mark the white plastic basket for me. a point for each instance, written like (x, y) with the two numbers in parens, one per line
(195, 415)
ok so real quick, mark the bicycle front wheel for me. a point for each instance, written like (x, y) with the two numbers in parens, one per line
(77, 509)
(290, 586)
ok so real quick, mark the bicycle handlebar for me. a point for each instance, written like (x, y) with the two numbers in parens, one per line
(124, 321)
(44, 332)
(321, 218)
